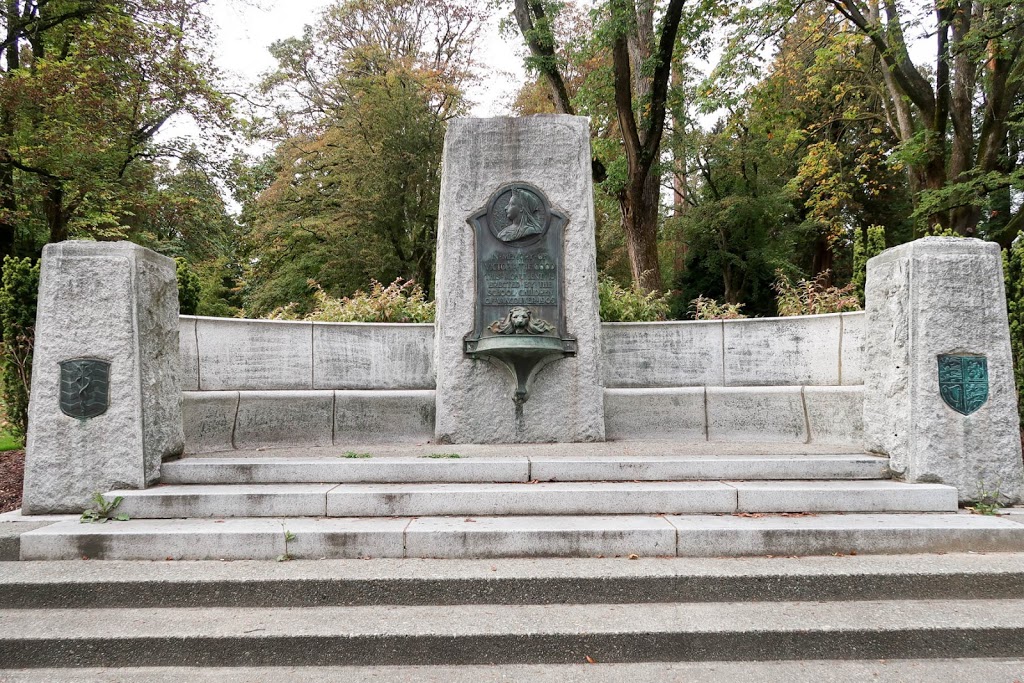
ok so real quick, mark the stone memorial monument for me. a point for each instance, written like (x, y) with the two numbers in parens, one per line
(939, 396)
(105, 406)
(517, 341)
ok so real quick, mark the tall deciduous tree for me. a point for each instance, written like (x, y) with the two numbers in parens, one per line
(955, 122)
(641, 55)
(362, 102)
(85, 86)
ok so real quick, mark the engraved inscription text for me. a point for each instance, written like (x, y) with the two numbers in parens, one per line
(528, 278)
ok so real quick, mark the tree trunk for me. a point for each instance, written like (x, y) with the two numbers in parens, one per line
(639, 204)
(824, 259)
(53, 207)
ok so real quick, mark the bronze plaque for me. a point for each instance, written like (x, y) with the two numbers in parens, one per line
(84, 387)
(519, 270)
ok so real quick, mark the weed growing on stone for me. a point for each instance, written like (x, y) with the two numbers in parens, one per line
(288, 538)
(103, 510)
(988, 501)
(437, 456)
(353, 454)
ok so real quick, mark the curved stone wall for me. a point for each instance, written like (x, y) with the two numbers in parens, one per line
(227, 354)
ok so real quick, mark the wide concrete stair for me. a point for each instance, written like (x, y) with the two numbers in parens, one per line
(562, 616)
(613, 499)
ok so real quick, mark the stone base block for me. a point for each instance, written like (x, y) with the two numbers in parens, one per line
(835, 414)
(106, 381)
(676, 413)
(760, 414)
(209, 420)
(383, 416)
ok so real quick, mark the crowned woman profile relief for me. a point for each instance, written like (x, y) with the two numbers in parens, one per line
(525, 214)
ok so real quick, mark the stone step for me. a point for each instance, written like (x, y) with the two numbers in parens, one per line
(548, 498)
(355, 467)
(383, 581)
(800, 671)
(539, 536)
(511, 634)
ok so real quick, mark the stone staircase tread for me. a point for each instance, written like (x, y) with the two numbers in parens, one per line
(508, 581)
(541, 536)
(501, 468)
(804, 671)
(512, 633)
(469, 620)
(625, 448)
(519, 498)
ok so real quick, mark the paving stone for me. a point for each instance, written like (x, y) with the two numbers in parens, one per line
(570, 498)
(843, 496)
(739, 536)
(157, 539)
(232, 500)
(454, 537)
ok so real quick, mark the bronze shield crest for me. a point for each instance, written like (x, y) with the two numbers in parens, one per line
(84, 387)
(963, 382)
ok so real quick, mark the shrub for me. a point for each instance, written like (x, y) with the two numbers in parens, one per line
(19, 291)
(189, 289)
(810, 297)
(704, 308)
(864, 249)
(633, 305)
(399, 302)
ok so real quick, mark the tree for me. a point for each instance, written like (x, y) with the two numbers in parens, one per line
(85, 87)
(362, 101)
(641, 66)
(955, 122)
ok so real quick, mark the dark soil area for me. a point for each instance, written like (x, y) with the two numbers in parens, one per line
(12, 474)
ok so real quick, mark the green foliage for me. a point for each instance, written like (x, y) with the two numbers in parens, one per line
(19, 290)
(351, 190)
(103, 510)
(621, 305)
(986, 501)
(288, 538)
(399, 302)
(354, 455)
(86, 88)
(812, 297)
(867, 244)
(703, 308)
(1013, 268)
(442, 456)
(11, 442)
(189, 289)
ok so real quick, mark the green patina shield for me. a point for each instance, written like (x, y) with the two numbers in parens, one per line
(963, 382)
(84, 387)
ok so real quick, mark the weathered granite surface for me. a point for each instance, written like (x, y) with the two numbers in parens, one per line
(782, 351)
(115, 302)
(474, 397)
(373, 356)
(209, 420)
(663, 354)
(926, 298)
(257, 355)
